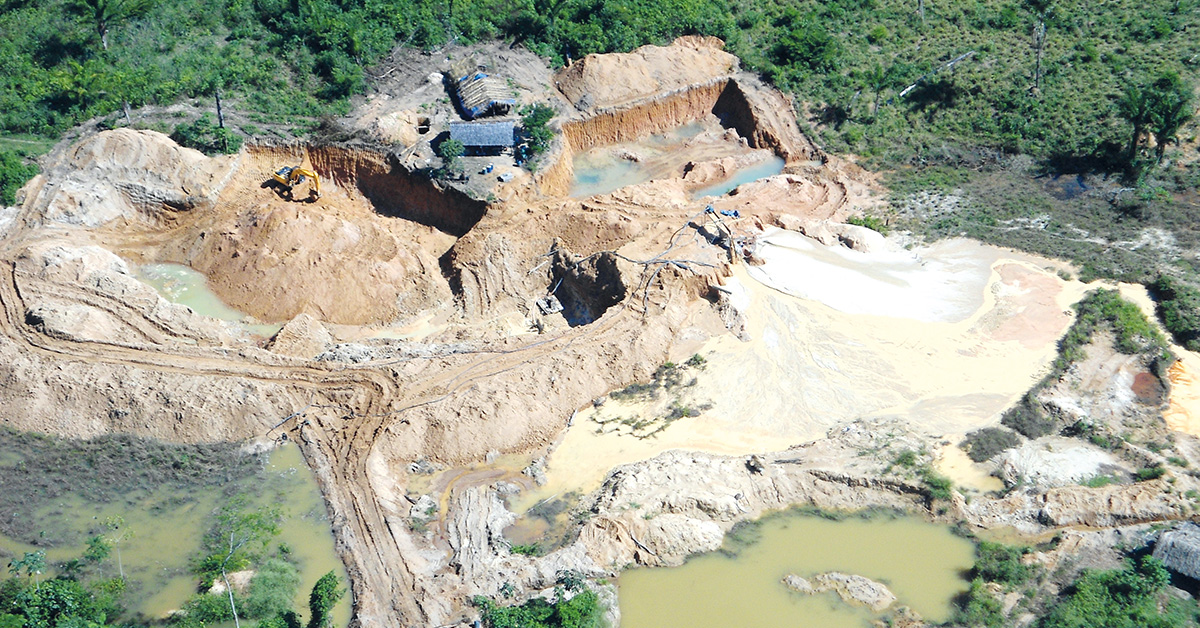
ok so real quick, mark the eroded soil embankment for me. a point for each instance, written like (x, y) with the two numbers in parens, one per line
(748, 111)
(366, 252)
(396, 192)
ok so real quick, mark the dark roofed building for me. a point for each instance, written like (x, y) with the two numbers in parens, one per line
(484, 138)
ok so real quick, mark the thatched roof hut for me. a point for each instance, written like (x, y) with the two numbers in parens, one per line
(1179, 550)
(478, 93)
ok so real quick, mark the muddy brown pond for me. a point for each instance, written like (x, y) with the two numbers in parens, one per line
(921, 563)
(164, 532)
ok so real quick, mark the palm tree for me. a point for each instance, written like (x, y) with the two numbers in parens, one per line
(1041, 10)
(108, 13)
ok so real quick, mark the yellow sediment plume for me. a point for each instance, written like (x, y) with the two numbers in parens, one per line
(953, 462)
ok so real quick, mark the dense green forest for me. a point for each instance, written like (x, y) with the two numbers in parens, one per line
(1046, 77)
(1040, 88)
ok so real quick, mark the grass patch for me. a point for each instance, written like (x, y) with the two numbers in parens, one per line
(532, 549)
(906, 458)
(667, 376)
(43, 470)
(873, 223)
(1100, 481)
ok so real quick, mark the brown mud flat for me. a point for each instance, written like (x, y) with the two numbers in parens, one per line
(86, 349)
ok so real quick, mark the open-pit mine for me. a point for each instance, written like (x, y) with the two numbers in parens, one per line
(452, 356)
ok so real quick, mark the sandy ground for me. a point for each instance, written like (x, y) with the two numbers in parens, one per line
(974, 332)
(954, 463)
(1183, 415)
(1183, 412)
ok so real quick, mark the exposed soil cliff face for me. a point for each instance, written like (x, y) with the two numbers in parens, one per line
(396, 192)
(588, 83)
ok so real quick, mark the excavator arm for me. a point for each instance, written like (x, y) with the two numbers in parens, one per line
(291, 176)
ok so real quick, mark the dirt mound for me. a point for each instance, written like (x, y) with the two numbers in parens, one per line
(136, 175)
(599, 81)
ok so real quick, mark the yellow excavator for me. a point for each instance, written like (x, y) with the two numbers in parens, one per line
(289, 177)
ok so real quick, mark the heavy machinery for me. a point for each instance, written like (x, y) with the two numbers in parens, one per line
(289, 177)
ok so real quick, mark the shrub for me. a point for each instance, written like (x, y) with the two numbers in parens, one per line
(272, 589)
(873, 223)
(1179, 310)
(581, 611)
(450, 151)
(207, 137)
(937, 486)
(1028, 418)
(537, 136)
(977, 608)
(1001, 563)
(1112, 598)
(321, 600)
(1149, 473)
(206, 608)
(984, 444)
(907, 458)
(14, 172)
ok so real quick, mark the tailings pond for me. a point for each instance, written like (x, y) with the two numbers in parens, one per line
(921, 563)
(163, 527)
(609, 168)
(768, 168)
(183, 285)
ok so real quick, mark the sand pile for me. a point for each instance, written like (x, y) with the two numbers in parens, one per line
(606, 80)
(141, 176)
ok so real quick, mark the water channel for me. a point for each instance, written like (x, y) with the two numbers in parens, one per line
(921, 563)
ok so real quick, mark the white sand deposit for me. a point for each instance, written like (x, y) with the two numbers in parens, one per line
(948, 338)
(943, 283)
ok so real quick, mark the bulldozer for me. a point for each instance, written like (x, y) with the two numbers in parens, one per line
(289, 177)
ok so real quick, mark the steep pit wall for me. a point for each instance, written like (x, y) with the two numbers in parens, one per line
(395, 192)
(587, 287)
(751, 110)
(366, 252)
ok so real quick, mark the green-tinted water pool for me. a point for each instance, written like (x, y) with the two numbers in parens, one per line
(922, 563)
(183, 285)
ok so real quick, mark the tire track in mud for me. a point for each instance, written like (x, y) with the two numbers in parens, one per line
(347, 409)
